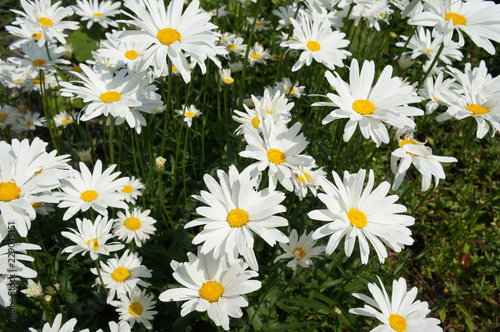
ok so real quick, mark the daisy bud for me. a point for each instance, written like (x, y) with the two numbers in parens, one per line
(159, 165)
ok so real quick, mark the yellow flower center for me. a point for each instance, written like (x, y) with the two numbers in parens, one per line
(98, 14)
(189, 114)
(357, 218)
(46, 22)
(3, 116)
(275, 156)
(259, 24)
(95, 246)
(288, 89)
(298, 253)
(211, 291)
(168, 36)
(37, 204)
(121, 274)
(66, 121)
(131, 54)
(256, 122)
(40, 171)
(132, 223)
(313, 46)
(237, 218)
(255, 56)
(9, 191)
(456, 18)
(88, 195)
(301, 179)
(110, 96)
(37, 35)
(27, 124)
(38, 62)
(363, 107)
(127, 189)
(435, 99)
(397, 322)
(135, 309)
(228, 80)
(429, 50)
(477, 109)
(276, 57)
(232, 47)
(78, 69)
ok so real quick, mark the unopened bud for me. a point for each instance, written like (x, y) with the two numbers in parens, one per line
(159, 165)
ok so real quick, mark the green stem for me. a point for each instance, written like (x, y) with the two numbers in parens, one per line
(111, 146)
(436, 57)
(99, 274)
(414, 28)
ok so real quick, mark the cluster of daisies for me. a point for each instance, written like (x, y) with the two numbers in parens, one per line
(154, 41)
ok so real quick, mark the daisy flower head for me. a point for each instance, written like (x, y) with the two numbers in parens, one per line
(136, 307)
(317, 42)
(260, 24)
(218, 12)
(122, 275)
(96, 190)
(278, 150)
(135, 225)
(235, 210)
(85, 155)
(250, 118)
(8, 116)
(225, 75)
(29, 122)
(25, 33)
(37, 58)
(431, 91)
(410, 152)
(477, 96)
(56, 326)
(273, 104)
(91, 237)
(213, 286)
(286, 88)
(306, 178)
(189, 113)
(258, 54)
(94, 11)
(285, 15)
(64, 118)
(476, 18)
(173, 34)
(371, 107)
(301, 250)
(400, 312)
(361, 213)
(47, 19)
(131, 190)
(34, 290)
(236, 45)
(120, 54)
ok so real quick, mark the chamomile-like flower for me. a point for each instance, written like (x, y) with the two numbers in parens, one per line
(94, 11)
(64, 118)
(38, 58)
(235, 210)
(173, 34)
(317, 42)
(476, 18)
(258, 54)
(410, 152)
(131, 190)
(301, 250)
(122, 275)
(8, 116)
(136, 307)
(278, 149)
(121, 54)
(56, 325)
(288, 89)
(189, 113)
(306, 178)
(135, 225)
(29, 122)
(225, 75)
(356, 213)
(213, 286)
(96, 190)
(91, 237)
(34, 290)
(371, 107)
(400, 312)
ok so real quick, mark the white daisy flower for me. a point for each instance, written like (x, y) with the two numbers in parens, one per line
(285, 15)
(96, 190)
(273, 104)
(121, 275)
(410, 152)
(400, 312)
(476, 18)
(34, 290)
(305, 178)
(131, 190)
(69, 326)
(8, 116)
(279, 150)
(121, 54)
(363, 214)
(95, 12)
(371, 107)
(135, 225)
(47, 19)
(85, 155)
(26, 34)
(213, 286)
(29, 122)
(218, 12)
(20, 250)
(173, 34)
(431, 91)
(250, 118)
(260, 24)
(258, 54)
(286, 88)
(236, 45)
(64, 118)
(91, 237)
(136, 307)
(225, 75)
(301, 250)
(317, 41)
(476, 97)
(235, 210)
(189, 113)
